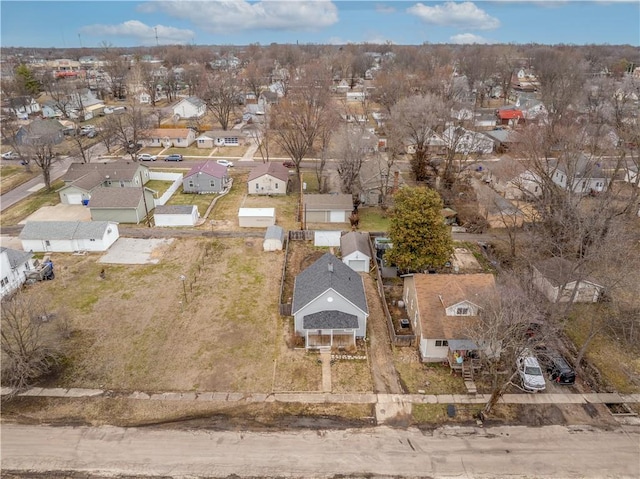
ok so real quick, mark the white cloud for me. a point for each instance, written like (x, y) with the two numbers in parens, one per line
(239, 15)
(467, 38)
(460, 15)
(381, 8)
(144, 34)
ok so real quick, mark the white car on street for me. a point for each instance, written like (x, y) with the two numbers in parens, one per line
(10, 155)
(530, 372)
(225, 163)
(147, 157)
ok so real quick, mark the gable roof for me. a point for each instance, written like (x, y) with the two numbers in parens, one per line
(16, 257)
(559, 271)
(328, 272)
(168, 132)
(104, 197)
(341, 201)
(277, 170)
(194, 100)
(174, 209)
(583, 167)
(355, 241)
(213, 134)
(210, 168)
(118, 170)
(436, 292)
(61, 230)
(330, 320)
(510, 114)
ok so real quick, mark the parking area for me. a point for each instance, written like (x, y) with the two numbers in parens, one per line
(60, 212)
(135, 251)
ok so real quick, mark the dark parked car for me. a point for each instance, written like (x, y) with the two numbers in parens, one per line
(558, 368)
(174, 157)
(289, 164)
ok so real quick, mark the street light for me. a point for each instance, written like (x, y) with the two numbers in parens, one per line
(183, 278)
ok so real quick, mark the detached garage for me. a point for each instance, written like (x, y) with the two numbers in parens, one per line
(68, 236)
(176, 215)
(256, 217)
(356, 251)
(320, 208)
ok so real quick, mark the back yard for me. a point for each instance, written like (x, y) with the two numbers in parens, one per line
(142, 328)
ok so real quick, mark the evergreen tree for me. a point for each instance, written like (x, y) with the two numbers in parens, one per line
(420, 237)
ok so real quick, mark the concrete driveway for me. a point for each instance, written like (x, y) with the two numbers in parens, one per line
(135, 251)
(60, 212)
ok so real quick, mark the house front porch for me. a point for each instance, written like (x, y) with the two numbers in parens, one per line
(330, 338)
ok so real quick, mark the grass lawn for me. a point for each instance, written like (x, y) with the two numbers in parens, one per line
(432, 378)
(182, 198)
(230, 151)
(12, 176)
(617, 365)
(159, 186)
(16, 213)
(138, 330)
(372, 218)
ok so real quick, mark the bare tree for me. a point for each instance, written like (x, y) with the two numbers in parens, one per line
(129, 128)
(148, 82)
(31, 346)
(350, 147)
(221, 95)
(117, 70)
(170, 85)
(415, 120)
(193, 77)
(501, 330)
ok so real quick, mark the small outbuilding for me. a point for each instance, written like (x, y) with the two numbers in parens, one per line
(274, 238)
(327, 208)
(326, 238)
(176, 215)
(356, 251)
(256, 217)
(68, 236)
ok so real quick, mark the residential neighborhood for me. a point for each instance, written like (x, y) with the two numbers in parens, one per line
(383, 234)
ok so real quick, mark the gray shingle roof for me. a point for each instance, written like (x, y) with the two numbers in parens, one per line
(330, 320)
(355, 241)
(104, 197)
(61, 230)
(277, 170)
(174, 209)
(559, 271)
(15, 256)
(318, 278)
(326, 202)
(118, 170)
(274, 232)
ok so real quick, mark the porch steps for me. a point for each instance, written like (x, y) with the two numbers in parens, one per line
(467, 376)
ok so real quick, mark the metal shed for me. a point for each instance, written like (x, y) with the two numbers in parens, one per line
(274, 239)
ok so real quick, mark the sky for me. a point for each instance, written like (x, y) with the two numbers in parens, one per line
(81, 23)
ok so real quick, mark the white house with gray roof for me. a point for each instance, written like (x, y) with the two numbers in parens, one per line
(191, 107)
(13, 267)
(329, 305)
(68, 236)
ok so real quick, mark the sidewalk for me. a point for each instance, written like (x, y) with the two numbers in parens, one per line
(331, 398)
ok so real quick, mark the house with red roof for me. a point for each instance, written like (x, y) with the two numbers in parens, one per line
(510, 116)
(205, 178)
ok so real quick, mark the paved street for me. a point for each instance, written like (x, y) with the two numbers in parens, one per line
(551, 451)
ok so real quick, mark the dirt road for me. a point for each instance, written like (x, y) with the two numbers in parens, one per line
(552, 451)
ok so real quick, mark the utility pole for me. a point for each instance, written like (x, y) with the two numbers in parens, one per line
(144, 199)
(156, 30)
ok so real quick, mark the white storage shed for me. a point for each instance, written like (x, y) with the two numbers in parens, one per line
(256, 217)
(176, 215)
(274, 239)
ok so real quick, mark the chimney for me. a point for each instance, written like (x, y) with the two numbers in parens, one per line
(330, 267)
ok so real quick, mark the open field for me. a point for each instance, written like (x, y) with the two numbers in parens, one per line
(139, 329)
(16, 213)
(13, 175)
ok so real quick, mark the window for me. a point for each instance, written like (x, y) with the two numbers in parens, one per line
(276, 186)
(462, 311)
(441, 343)
(190, 184)
(257, 187)
(4, 281)
(92, 239)
(212, 183)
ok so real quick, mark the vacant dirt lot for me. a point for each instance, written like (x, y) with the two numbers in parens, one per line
(142, 328)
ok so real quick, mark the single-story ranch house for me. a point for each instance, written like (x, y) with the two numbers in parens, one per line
(68, 236)
(169, 137)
